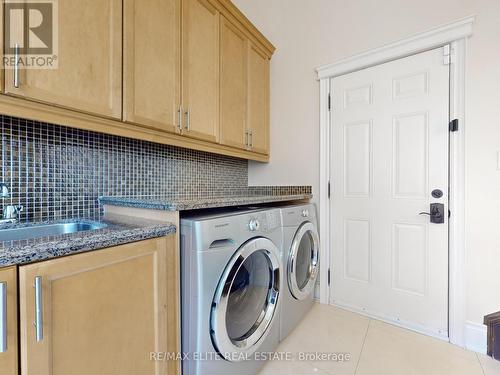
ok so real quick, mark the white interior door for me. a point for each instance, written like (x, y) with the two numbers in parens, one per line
(389, 153)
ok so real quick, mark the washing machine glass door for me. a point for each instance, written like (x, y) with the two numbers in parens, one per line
(246, 299)
(303, 261)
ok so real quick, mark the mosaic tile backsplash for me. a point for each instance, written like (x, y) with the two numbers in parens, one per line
(58, 172)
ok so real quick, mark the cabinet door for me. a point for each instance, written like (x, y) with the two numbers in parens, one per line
(258, 100)
(200, 74)
(233, 85)
(8, 322)
(2, 73)
(102, 312)
(89, 76)
(152, 63)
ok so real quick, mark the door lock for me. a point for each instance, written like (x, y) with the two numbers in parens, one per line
(436, 193)
(436, 214)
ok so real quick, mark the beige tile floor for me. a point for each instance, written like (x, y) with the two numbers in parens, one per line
(374, 347)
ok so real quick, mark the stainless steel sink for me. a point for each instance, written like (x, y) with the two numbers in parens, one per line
(46, 230)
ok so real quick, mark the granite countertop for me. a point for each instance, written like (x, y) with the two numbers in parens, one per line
(176, 204)
(118, 231)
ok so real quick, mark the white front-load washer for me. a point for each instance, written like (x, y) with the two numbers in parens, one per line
(231, 290)
(300, 258)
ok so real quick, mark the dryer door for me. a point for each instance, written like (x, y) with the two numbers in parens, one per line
(303, 261)
(246, 299)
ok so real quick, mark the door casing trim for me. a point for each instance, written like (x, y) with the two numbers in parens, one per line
(455, 34)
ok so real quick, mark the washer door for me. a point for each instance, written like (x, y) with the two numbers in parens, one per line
(246, 299)
(303, 261)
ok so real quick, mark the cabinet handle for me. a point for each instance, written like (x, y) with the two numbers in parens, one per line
(179, 112)
(188, 119)
(3, 317)
(38, 309)
(16, 66)
(251, 138)
(246, 139)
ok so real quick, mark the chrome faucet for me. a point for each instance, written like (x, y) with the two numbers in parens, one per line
(4, 191)
(10, 213)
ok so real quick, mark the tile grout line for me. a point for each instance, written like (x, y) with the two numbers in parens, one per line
(60, 172)
(362, 346)
(480, 364)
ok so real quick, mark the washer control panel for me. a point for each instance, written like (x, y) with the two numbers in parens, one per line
(254, 225)
(264, 221)
(273, 219)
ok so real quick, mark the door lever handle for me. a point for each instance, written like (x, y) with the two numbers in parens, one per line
(437, 213)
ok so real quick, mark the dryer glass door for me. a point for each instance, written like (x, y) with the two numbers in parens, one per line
(246, 299)
(303, 261)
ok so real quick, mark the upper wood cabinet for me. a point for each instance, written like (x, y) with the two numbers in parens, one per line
(200, 70)
(101, 312)
(258, 100)
(152, 63)
(188, 73)
(89, 74)
(8, 312)
(233, 85)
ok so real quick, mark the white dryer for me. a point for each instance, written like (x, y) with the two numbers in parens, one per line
(231, 287)
(301, 264)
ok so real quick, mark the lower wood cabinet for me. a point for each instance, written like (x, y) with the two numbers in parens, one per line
(102, 313)
(8, 322)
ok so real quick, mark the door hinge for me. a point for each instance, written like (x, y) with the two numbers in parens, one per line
(447, 54)
(454, 125)
(328, 276)
(329, 102)
(328, 189)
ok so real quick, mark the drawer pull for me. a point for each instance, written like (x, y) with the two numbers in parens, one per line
(38, 309)
(16, 66)
(179, 112)
(3, 317)
(188, 119)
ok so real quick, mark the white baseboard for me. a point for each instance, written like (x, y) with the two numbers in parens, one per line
(476, 337)
(391, 320)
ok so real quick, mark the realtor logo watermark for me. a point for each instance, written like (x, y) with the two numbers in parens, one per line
(31, 34)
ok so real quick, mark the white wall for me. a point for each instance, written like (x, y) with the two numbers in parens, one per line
(315, 32)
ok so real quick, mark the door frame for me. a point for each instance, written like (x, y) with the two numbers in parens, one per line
(454, 34)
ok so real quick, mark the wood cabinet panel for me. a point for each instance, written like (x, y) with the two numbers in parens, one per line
(201, 56)
(152, 63)
(89, 75)
(104, 312)
(9, 355)
(2, 71)
(258, 100)
(200, 77)
(233, 85)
